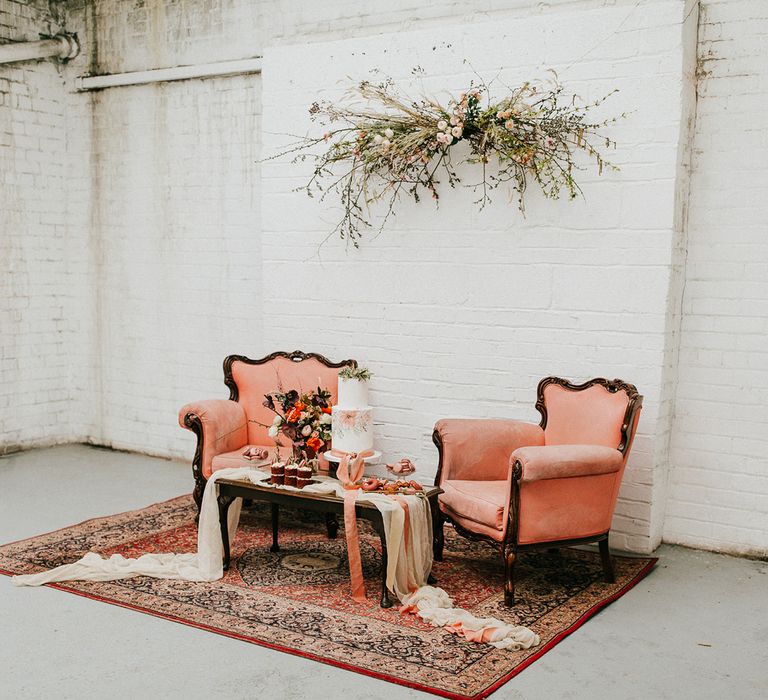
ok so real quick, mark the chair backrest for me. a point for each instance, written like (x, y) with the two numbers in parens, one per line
(249, 380)
(597, 412)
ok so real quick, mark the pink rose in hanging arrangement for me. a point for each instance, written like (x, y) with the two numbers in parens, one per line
(399, 145)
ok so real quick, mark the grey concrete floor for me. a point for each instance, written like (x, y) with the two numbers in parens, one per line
(694, 628)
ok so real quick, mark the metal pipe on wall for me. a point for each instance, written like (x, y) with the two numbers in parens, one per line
(165, 75)
(61, 46)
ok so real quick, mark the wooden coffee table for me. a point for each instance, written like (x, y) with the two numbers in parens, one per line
(332, 506)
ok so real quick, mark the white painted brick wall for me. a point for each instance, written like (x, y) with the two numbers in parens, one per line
(147, 263)
(179, 273)
(460, 313)
(43, 294)
(718, 492)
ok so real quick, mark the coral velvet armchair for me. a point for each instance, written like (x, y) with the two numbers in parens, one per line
(520, 485)
(226, 427)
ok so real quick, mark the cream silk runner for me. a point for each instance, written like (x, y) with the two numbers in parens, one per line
(409, 561)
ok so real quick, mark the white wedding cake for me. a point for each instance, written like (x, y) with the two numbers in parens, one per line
(352, 417)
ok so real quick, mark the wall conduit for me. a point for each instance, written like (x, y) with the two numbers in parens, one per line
(62, 46)
(164, 75)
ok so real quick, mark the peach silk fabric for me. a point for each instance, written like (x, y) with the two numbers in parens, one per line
(349, 472)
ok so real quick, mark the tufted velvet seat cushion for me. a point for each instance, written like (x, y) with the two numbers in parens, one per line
(483, 503)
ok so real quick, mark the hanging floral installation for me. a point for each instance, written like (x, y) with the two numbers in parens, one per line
(379, 145)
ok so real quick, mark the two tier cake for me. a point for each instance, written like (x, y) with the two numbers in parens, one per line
(352, 417)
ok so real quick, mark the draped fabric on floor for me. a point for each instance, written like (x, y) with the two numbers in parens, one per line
(298, 600)
(408, 529)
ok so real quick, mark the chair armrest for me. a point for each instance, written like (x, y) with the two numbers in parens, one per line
(220, 425)
(479, 448)
(563, 461)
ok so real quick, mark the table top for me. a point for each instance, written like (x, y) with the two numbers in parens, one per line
(301, 494)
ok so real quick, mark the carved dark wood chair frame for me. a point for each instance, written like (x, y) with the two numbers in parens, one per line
(193, 422)
(509, 547)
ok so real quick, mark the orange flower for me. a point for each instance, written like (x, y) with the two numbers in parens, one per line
(293, 415)
(315, 443)
(300, 406)
(326, 409)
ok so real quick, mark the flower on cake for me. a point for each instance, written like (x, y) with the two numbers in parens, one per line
(362, 374)
(352, 420)
(347, 418)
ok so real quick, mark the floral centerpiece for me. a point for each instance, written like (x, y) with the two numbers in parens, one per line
(391, 144)
(302, 419)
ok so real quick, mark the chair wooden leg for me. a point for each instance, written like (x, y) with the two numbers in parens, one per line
(197, 496)
(605, 555)
(510, 555)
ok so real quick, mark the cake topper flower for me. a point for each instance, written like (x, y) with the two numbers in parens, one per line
(362, 374)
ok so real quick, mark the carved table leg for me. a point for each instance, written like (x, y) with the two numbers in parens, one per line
(438, 535)
(224, 503)
(275, 514)
(386, 601)
(331, 525)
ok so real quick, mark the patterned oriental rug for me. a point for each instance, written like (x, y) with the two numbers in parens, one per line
(298, 601)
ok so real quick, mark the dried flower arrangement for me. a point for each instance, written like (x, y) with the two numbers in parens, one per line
(394, 145)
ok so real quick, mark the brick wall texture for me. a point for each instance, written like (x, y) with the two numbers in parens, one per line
(718, 491)
(44, 290)
(142, 241)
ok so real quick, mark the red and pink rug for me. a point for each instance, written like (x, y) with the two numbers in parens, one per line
(297, 600)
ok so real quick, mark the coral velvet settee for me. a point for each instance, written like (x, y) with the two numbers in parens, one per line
(225, 428)
(520, 485)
